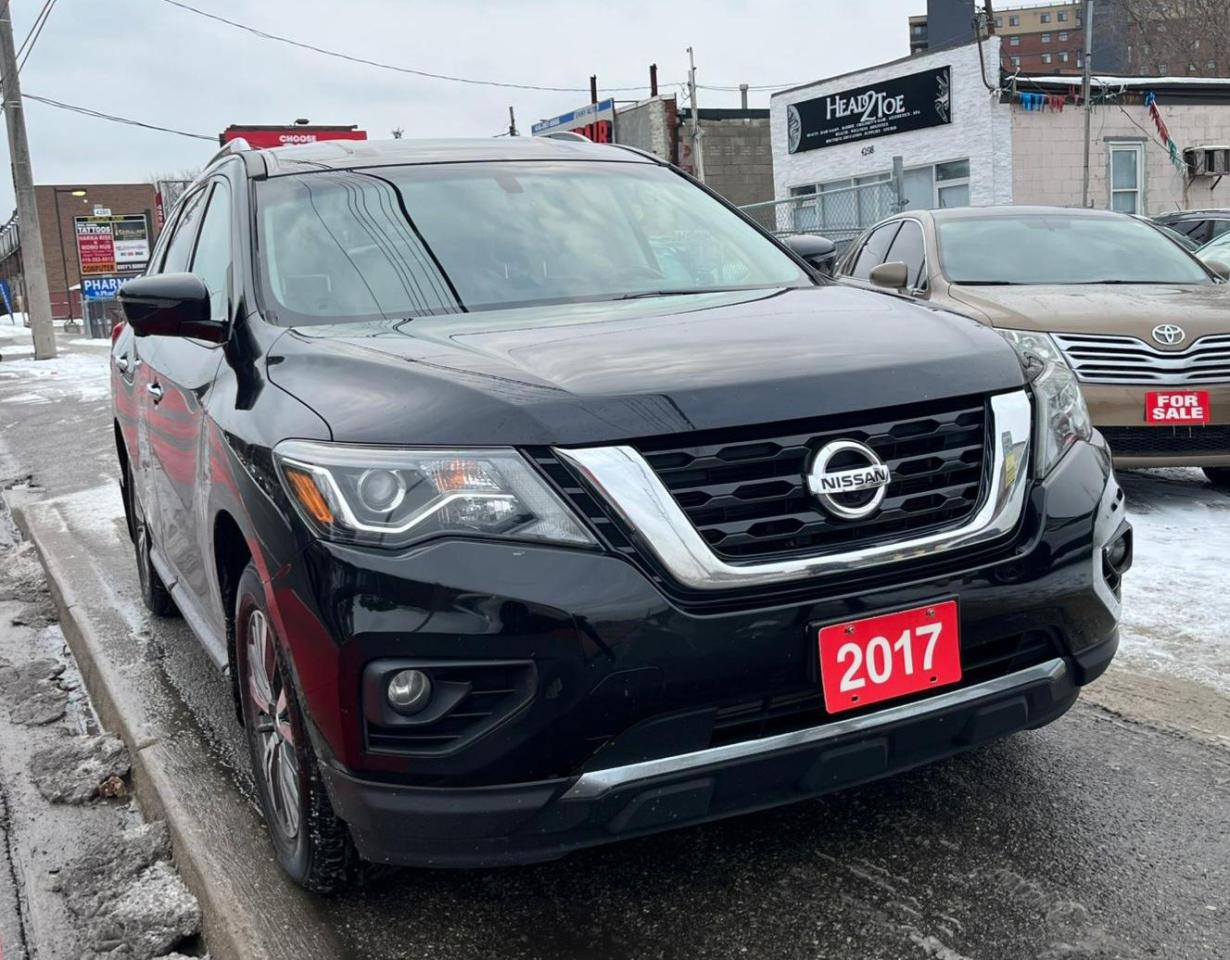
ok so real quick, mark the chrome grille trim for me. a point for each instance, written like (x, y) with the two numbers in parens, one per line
(622, 477)
(1106, 358)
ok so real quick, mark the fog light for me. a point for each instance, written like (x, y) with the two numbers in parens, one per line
(409, 691)
(1118, 554)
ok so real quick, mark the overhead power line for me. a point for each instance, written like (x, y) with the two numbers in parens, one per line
(397, 68)
(27, 45)
(255, 31)
(99, 115)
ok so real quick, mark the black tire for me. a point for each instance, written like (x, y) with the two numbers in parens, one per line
(154, 593)
(1218, 476)
(310, 842)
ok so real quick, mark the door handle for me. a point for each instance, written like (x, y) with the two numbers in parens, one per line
(121, 364)
(155, 391)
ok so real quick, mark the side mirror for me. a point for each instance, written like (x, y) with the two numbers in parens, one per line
(818, 252)
(1219, 268)
(895, 275)
(170, 305)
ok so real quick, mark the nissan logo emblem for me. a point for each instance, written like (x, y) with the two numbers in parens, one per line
(1169, 334)
(848, 479)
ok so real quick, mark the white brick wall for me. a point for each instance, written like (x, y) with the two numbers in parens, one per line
(1048, 161)
(980, 130)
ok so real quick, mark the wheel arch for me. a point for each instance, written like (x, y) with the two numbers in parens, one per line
(231, 556)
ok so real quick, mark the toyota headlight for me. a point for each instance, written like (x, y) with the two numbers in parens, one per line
(1061, 417)
(392, 497)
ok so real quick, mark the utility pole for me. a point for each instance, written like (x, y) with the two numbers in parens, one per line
(1086, 84)
(512, 123)
(698, 154)
(38, 297)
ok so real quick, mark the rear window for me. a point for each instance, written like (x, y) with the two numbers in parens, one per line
(1060, 249)
(400, 242)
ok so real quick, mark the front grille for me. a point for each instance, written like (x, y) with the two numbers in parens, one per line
(1119, 359)
(1166, 441)
(745, 489)
(783, 713)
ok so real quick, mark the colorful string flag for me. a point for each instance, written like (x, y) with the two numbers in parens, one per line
(1038, 101)
(1172, 148)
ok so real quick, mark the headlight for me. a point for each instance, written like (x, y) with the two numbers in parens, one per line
(391, 497)
(1062, 417)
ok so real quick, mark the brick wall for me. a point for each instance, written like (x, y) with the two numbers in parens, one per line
(981, 130)
(649, 125)
(56, 209)
(1047, 165)
(738, 155)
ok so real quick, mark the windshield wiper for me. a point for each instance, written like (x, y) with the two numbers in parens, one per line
(678, 293)
(988, 283)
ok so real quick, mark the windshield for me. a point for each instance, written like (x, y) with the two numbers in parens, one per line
(1055, 248)
(398, 242)
(1218, 248)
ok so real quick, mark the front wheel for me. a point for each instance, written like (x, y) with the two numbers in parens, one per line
(312, 845)
(1219, 477)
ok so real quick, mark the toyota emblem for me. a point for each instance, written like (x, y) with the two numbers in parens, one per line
(1169, 334)
(848, 479)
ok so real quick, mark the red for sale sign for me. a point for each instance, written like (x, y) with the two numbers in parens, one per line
(1176, 408)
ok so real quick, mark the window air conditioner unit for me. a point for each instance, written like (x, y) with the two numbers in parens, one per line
(1208, 161)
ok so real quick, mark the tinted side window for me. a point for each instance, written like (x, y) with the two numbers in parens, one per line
(908, 247)
(872, 254)
(1220, 227)
(179, 250)
(212, 260)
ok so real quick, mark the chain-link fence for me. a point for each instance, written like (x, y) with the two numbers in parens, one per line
(840, 214)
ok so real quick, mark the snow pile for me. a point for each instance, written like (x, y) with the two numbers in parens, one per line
(76, 376)
(1176, 601)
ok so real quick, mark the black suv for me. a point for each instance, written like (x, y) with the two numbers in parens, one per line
(533, 497)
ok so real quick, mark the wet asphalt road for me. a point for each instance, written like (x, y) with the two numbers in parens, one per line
(1094, 838)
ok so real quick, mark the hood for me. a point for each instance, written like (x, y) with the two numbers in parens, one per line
(1130, 310)
(599, 372)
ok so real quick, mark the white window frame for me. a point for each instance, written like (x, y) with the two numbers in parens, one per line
(1046, 58)
(1063, 16)
(1014, 21)
(1016, 61)
(1127, 145)
(1014, 40)
(1045, 17)
(945, 184)
(1063, 56)
(1063, 36)
(1046, 38)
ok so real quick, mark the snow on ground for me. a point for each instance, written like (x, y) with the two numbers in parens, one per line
(1176, 599)
(78, 376)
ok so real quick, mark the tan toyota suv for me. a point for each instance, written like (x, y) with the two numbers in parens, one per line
(1145, 325)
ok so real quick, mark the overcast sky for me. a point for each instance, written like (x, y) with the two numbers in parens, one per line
(148, 60)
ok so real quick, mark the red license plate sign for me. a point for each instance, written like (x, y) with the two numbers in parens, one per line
(1177, 408)
(889, 656)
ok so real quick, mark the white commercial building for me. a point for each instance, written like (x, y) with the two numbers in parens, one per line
(968, 135)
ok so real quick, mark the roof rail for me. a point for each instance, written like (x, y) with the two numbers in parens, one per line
(231, 146)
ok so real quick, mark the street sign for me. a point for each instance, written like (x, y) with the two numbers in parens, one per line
(101, 288)
(110, 244)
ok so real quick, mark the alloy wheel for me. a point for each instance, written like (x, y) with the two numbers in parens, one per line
(275, 737)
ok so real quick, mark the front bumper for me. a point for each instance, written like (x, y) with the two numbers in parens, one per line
(1120, 412)
(524, 823)
(632, 676)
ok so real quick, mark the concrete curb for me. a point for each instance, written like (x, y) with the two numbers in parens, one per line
(250, 911)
